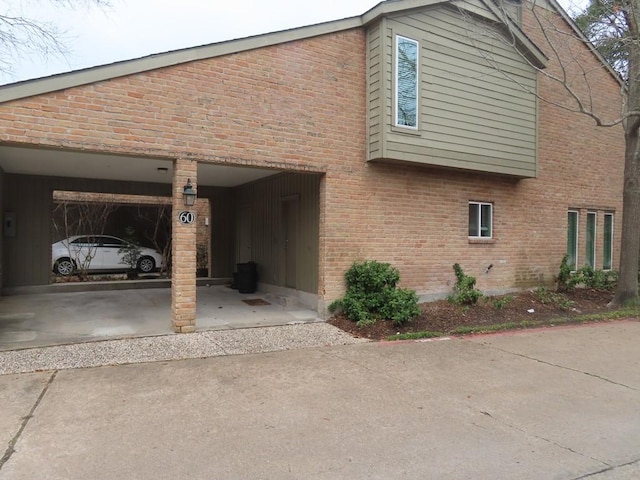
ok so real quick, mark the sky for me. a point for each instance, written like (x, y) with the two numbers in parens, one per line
(135, 28)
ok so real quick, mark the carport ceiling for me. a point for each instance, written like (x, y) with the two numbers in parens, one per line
(59, 163)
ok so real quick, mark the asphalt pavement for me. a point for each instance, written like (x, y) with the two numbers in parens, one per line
(558, 403)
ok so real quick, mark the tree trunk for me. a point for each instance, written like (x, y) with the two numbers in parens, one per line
(627, 290)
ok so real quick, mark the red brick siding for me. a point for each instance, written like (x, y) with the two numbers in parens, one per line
(302, 105)
(183, 254)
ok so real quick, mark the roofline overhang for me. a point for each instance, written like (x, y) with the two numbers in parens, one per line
(76, 78)
(527, 48)
(62, 81)
(565, 16)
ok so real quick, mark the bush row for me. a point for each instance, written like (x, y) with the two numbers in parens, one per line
(372, 291)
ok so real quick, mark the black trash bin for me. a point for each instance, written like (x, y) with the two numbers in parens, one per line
(247, 277)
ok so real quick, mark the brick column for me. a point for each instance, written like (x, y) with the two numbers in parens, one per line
(183, 252)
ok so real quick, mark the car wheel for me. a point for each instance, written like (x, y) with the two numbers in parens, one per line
(146, 265)
(64, 267)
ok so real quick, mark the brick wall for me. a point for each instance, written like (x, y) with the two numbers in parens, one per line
(302, 106)
(183, 253)
(282, 106)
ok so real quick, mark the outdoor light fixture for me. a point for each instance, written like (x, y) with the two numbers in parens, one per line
(189, 194)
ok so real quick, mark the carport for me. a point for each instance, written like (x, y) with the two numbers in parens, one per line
(224, 118)
(243, 202)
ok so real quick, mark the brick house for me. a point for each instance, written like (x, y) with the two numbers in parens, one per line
(400, 135)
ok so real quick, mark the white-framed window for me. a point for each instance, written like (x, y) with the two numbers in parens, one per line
(590, 251)
(572, 239)
(406, 79)
(480, 220)
(607, 244)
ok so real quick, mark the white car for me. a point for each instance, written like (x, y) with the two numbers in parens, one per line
(98, 253)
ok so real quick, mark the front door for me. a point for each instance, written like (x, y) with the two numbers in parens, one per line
(289, 211)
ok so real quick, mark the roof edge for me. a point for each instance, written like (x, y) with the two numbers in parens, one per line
(532, 52)
(391, 6)
(567, 18)
(76, 78)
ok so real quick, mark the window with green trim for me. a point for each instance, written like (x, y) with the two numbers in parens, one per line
(572, 239)
(607, 245)
(590, 252)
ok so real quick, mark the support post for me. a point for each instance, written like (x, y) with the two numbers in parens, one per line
(183, 250)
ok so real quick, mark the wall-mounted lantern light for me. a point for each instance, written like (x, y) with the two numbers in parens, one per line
(189, 194)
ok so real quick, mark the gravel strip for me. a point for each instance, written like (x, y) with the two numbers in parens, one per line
(174, 347)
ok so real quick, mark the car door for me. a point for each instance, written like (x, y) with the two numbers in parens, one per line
(111, 256)
(86, 252)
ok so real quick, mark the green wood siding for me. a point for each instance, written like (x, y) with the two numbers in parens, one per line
(265, 201)
(27, 256)
(375, 91)
(222, 229)
(472, 116)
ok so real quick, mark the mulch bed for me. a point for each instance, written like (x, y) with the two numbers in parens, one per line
(444, 317)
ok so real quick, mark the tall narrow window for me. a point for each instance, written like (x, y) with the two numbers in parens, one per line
(480, 220)
(406, 82)
(607, 245)
(572, 239)
(591, 240)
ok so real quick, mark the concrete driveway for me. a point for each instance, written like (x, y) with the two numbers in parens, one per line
(64, 317)
(549, 404)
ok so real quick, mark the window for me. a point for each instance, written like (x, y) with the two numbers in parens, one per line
(406, 82)
(112, 242)
(572, 239)
(85, 241)
(607, 245)
(591, 240)
(480, 220)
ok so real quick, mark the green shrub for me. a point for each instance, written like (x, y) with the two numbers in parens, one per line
(585, 276)
(464, 291)
(500, 303)
(357, 307)
(372, 295)
(590, 278)
(553, 298)
(543, 294)
(563, 283)
(401, 305)
(371, 276)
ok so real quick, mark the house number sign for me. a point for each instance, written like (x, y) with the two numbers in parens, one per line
(186, 217)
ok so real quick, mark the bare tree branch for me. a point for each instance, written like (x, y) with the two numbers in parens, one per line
(578, 87)
(23, 35)
(578, 65)
(78, 217)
